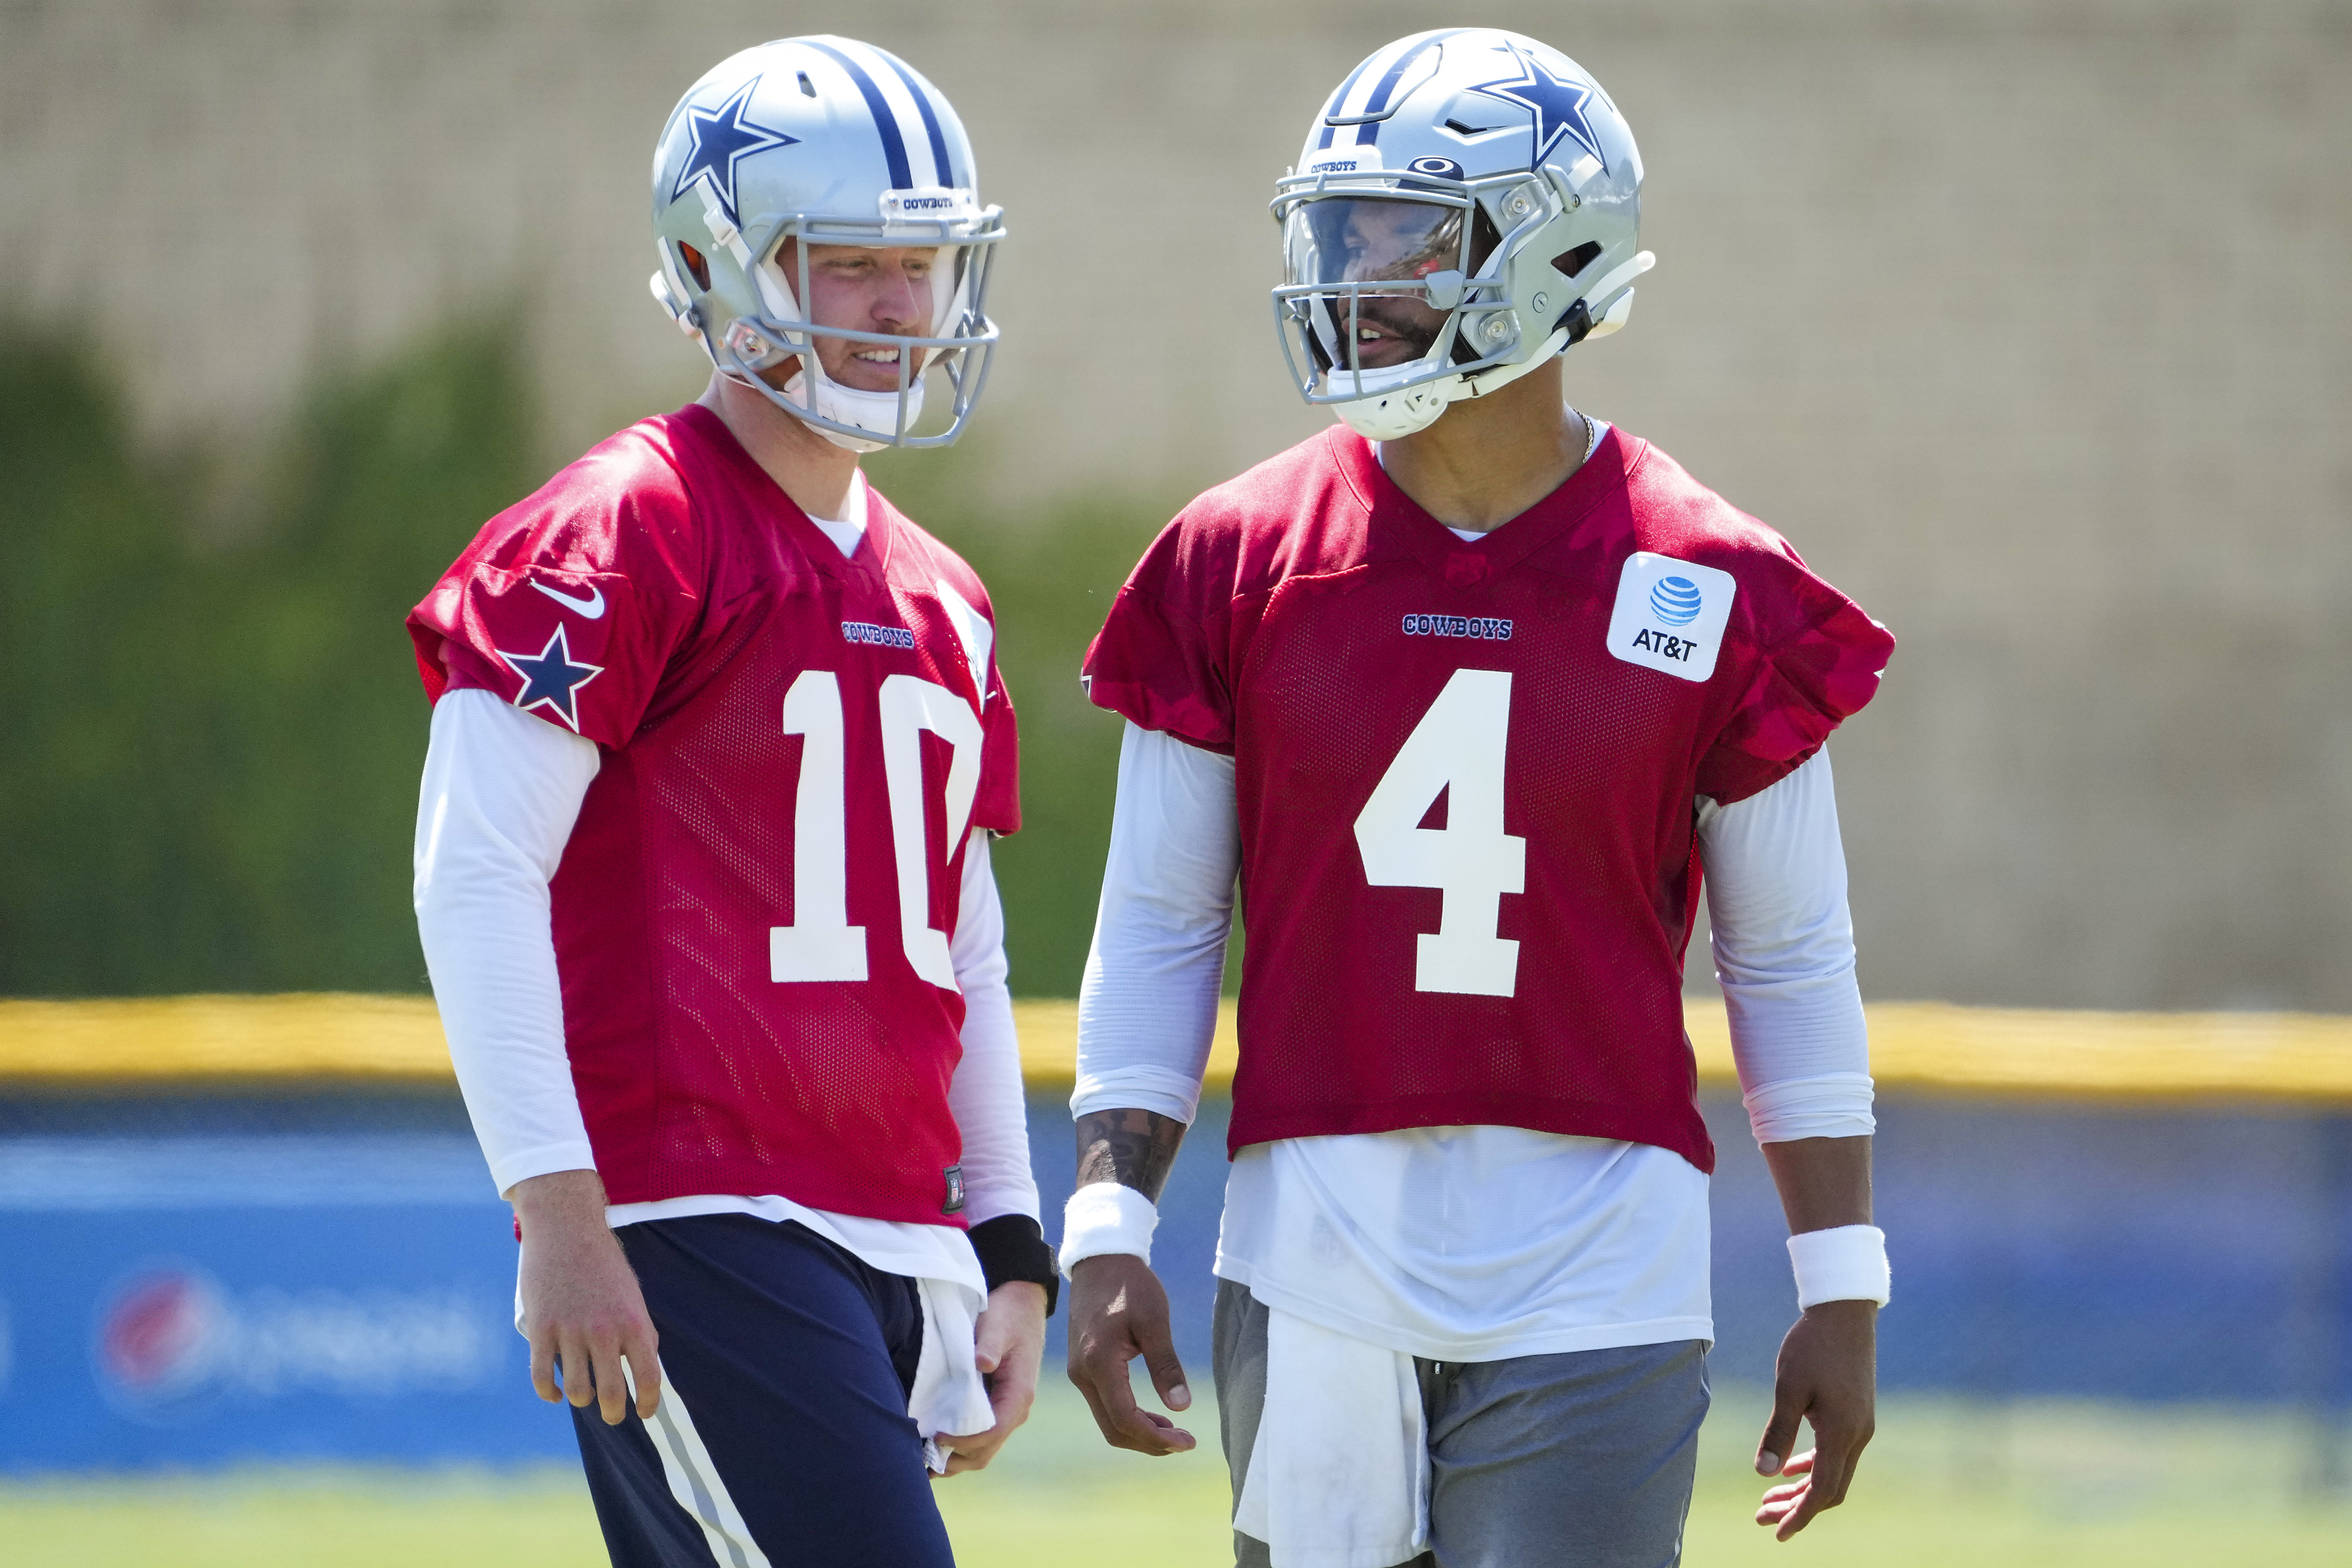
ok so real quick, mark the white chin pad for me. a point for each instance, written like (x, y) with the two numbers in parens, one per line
(1393, 417)
(871, 411)
(1382, 415)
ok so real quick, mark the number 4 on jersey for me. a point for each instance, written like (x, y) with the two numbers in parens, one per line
(1455, 750)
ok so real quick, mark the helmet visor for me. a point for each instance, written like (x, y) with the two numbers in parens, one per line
(1347, 247)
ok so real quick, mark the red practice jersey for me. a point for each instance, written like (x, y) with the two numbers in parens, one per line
(1465, 775)
(752, 916)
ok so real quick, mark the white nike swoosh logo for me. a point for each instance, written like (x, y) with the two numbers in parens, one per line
(592, 606)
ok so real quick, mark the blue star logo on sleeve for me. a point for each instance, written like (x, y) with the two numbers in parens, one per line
(1556, 104)
(550, 679)
(723, 139)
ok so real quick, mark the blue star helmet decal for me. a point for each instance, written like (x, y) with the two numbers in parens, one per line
(549, 678)
(1556, 104)
(722, 139)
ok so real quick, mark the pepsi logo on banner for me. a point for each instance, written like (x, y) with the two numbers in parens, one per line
(169, 1342)
(159, 1339)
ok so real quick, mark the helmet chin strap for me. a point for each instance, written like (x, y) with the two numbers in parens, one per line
(1393, 416)
(877, 412)
(1390, 416)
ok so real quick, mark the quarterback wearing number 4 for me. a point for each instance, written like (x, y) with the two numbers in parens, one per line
(1467, 693)
(702, 864)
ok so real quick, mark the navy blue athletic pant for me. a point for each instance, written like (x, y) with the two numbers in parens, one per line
(783, 1436)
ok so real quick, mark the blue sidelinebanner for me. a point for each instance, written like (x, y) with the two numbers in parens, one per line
(2041, 1247)
(182, 1300)
(229, 1233)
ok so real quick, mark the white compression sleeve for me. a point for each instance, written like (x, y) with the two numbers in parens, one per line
(986, 1094)
(501, 792)
(1148, 1006)
(1784, 953)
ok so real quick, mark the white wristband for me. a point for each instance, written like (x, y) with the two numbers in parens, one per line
(1847, 1264)
(1107, 1217)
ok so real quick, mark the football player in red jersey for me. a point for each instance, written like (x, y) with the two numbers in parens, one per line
(702, 867)
(1466, 694)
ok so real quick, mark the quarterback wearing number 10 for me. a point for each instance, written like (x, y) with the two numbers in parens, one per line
(1469, 693)
(718, 745)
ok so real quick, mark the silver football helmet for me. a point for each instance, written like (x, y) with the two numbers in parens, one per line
(1468, 205)
(823, 141)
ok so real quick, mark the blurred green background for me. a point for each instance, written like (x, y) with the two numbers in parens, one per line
(218, 728)
(2025, 323)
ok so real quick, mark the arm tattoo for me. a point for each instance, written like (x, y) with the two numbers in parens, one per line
(1133, 1148)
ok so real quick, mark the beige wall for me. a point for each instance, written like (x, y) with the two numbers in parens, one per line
(2029, 320)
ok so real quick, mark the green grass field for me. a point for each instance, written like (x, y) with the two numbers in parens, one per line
(2032, 1486)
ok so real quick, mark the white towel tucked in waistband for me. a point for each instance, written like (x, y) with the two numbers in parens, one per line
(1338, 1474)
(948, 1397)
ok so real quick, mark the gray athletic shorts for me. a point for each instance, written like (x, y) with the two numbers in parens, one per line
(1580, 1460)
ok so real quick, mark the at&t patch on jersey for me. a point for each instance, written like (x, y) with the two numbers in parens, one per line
(1671, 615)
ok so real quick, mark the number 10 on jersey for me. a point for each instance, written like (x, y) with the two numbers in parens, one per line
(1455, 750)
(821, 944)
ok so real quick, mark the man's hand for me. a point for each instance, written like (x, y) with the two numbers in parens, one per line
(1828, 1363)
(1828, 1376)
(1119, 1311)
(1010, 1343)
(581, 1304)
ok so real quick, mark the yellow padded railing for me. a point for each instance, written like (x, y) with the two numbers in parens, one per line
(396, 1040)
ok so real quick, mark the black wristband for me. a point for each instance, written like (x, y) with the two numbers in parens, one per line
(1014, 1247)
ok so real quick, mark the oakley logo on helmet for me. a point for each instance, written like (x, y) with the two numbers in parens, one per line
(1439, 168)
(722, 139)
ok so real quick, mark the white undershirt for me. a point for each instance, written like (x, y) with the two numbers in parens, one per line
(502, 792)
(1472, 1243)
(847, 530)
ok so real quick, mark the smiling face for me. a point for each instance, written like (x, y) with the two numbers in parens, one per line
(900, 290)
(1367, 241)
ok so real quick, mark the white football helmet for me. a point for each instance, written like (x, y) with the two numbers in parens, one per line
(1468, 205)
(827, 141)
